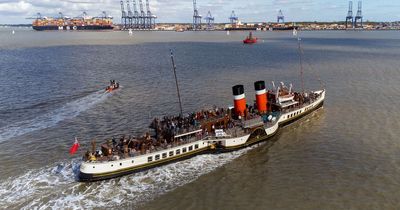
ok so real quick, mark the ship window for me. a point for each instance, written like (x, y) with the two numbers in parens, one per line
(171, 153)
(149, 159)
(120, 164)
(133, 161)
(190, 148)
(112, 165)
(93, 167)
(288, 116)
(164, 155)
(178, 151)
(196, 146)
(184, 150)
(157, 157)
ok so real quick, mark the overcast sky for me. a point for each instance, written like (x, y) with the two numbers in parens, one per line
(16, 11)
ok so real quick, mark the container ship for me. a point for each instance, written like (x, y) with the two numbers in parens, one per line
(83, 22)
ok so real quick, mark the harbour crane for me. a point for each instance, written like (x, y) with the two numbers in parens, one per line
(233, 18)
(349, 17)
(196, 17)
(151, 19)
(358, 20)
(210, 21)
(123, 14)
(130, 14)
(280, 18)
(142, 16)
(135, 15)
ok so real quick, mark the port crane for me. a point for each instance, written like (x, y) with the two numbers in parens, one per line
(210, 21)
(196, 17)
(233, 18)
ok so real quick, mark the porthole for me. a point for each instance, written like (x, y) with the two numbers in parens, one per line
(120, 164)
(93, 167)
(133, 161)
(112, 165)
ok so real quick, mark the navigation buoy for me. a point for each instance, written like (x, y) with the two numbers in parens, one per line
(13, 32)
(227, 33)
(130, 32)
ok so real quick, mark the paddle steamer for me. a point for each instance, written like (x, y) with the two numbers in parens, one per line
(214, 130)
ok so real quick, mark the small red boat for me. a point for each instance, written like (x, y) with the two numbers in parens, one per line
(250, 39)
(113, 86)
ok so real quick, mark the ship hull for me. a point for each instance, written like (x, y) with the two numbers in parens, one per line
(86, 27)
(45, 28)
(249, 41)
(288, 28)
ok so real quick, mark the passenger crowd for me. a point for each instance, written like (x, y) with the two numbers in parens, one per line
(165, 130)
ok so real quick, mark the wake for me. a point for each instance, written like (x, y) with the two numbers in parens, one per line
(55, 186)
(52, 118)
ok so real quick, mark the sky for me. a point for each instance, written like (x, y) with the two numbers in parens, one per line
(180, 11)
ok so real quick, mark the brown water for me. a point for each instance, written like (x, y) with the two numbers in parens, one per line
(344, 156)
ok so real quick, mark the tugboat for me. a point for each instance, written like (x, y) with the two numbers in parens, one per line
(219, 129)
(113, 86)
(250, 39)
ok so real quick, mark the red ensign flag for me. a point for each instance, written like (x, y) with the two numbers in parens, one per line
(74, 147)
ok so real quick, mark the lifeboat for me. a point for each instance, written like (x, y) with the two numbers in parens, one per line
(250, 39)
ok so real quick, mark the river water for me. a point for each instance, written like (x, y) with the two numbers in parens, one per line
(344, 156)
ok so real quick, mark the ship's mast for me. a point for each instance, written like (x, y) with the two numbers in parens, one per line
(176, 82)
(301, 63)
(296, 34)
(301, 53)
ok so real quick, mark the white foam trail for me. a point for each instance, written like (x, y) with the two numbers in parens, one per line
(55, 187)
(50, 119)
